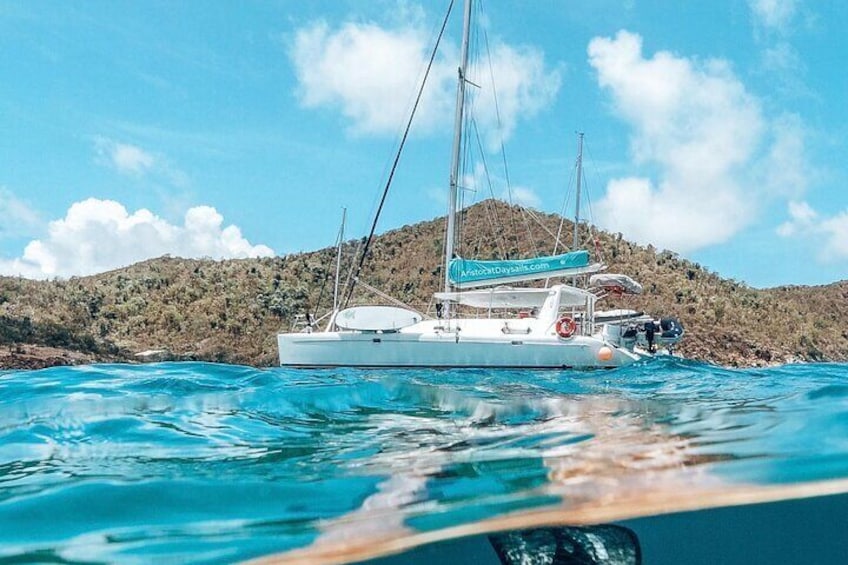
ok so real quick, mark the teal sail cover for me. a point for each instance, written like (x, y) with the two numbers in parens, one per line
(468, 272)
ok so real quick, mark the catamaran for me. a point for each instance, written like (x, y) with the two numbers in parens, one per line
(551, 327)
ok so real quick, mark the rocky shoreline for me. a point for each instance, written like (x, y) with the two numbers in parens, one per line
(33, 357)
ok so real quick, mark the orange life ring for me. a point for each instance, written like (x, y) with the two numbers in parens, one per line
(565, 327)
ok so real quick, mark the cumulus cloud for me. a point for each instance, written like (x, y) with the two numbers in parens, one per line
(662, 216)
(99, 235)
(123, 157)
(370, 73)
(831, 232)
(363, 70)
(694, 122)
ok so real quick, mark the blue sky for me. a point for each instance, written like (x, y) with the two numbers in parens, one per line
(134, 129)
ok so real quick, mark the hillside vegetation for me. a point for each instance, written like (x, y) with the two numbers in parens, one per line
(231, 310)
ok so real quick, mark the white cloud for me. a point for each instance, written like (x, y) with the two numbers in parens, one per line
(784, 170)
(129, 158)
(365, 71)
(802, 217)
(831, 234)
(133, 161)
(836, 230)
(524, 196)
(99, 235)
(370, 73)
(697, 124)
(668, 218)
(774, 22)
(773, 14)
(802, 212)
(522, 85)
(125, 158)
(17, 217)
(782, 58)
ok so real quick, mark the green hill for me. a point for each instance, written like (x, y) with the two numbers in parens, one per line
(231, 310)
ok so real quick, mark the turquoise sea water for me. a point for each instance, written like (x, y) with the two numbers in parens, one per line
(214, 463)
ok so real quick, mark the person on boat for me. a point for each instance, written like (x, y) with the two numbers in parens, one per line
(650, 331)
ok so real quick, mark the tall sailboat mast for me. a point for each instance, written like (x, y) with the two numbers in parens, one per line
(339, 260)
(574, 241)
(450, 234)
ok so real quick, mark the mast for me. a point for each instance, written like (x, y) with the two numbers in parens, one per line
(339, 260)
(450, 231)
(577, 196)
(579, 178)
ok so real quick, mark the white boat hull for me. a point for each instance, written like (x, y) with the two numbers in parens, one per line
(424, 347)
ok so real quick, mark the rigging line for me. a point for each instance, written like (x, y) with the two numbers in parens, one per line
(323, 287)
(321, 294)
(351, 261)
(390, 298)
(475, 248)
(491, 216)
(494, 220)
(339, 240)
(490, 219)
(499, 236)
(562, 213)
(398, 135)
(524, 214)
(535, 217)
(466, 162)
(397, 156)
(497, 108)
(592, 230)
(461, 188)
(503, 144)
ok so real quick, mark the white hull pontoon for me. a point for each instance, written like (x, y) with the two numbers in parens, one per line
(555, 333)
(425, 346)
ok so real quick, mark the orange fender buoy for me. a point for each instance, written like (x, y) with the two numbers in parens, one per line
(565, 327)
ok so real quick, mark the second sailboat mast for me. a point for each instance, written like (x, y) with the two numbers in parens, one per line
(450, 231)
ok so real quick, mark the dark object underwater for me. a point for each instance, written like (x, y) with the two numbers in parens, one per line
(607, 544)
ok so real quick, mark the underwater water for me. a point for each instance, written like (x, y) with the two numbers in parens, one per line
(207, 463)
